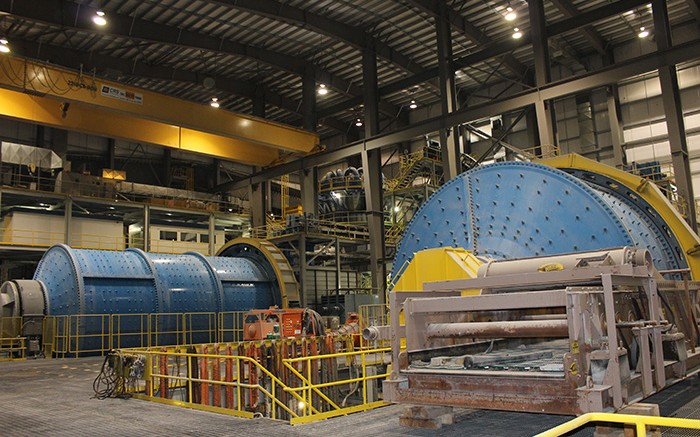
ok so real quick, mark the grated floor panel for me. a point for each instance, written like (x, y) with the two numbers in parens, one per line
(54, 397)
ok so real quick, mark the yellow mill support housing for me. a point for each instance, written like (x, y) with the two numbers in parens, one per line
(583, 302)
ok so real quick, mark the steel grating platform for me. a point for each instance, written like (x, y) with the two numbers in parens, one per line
(54, 397)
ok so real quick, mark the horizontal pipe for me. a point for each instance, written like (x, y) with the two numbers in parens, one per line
(377, 333)
(517, 329)
(617, 256)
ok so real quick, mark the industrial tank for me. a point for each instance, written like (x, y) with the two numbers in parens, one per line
(69, 282)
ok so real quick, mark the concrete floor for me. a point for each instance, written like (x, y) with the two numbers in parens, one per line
(54, 397)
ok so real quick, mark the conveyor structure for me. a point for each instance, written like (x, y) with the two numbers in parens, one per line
(248, 274)
(567, 312)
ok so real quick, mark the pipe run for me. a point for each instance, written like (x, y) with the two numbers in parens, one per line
(510, 329)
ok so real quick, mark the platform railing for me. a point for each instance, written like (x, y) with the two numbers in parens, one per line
(12, 344)
(640, 423)
(316, 404)
(241, 379)
(96, 334)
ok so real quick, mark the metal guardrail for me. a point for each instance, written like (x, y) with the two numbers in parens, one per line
(640, 423)
(241, 380)
(311, 226)
(43, 239)
(93, 334)
(110, 189)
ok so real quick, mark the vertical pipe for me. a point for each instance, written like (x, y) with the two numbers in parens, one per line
(164, 371)
(216, 376)
(204, 376)
(68, 219)
(212, 234)
(229, 378)
(146, 228)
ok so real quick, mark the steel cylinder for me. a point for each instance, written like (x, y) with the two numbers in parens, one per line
(517, 210)
(509, 329)
(619, 256)
(108, 282)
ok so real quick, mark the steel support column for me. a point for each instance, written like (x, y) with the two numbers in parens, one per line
(308, 100)
(216, 164)
(146, 228)
(303, 301)
(309, 191)
(540, 47)
(372, 164)
(673, 108)
(212, 234)
(111, 152)
(257, 204)
(449, 137)
(59, 144)
(167, 167)
(603, 77)
(67, 220)
(616, 133)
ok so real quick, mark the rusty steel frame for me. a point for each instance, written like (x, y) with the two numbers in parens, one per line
(595, 378)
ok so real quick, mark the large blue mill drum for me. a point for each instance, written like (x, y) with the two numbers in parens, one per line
(517, 210)
(67, 282)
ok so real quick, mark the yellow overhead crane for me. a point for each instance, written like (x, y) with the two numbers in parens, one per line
(45, 94)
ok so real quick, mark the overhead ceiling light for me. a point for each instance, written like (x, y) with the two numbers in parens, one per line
(322, 90)
(214, 102)
(99, 18)
(510, 14)
(643, 32)
(413, 104)
(4, 47)
(358, 122)
(517, 34)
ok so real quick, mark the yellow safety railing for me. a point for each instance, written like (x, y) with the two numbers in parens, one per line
(640, 423)
(220, 383)
(543, 151)
(230, 326)
(346, 231)
(12, 348)
(110, 189)
(315, 400)
(11, 236)
(89, 334)
(222, 378)
(12, 344)
(663, 177)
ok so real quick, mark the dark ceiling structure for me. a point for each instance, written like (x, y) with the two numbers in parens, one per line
(260, 57)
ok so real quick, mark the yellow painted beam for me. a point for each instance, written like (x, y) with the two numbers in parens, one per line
(687, 238)
(48, 80)
(79, 117)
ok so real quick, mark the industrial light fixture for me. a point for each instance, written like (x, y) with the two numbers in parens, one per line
(4, 47)
(643, 32)
(99, 18)
(322, 90)
(517, 34)
(358, 122)
(214, 102)
(397, 209)
(413, 104)
(511, 15)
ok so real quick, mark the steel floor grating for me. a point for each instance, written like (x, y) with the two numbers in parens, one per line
(54, 397)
